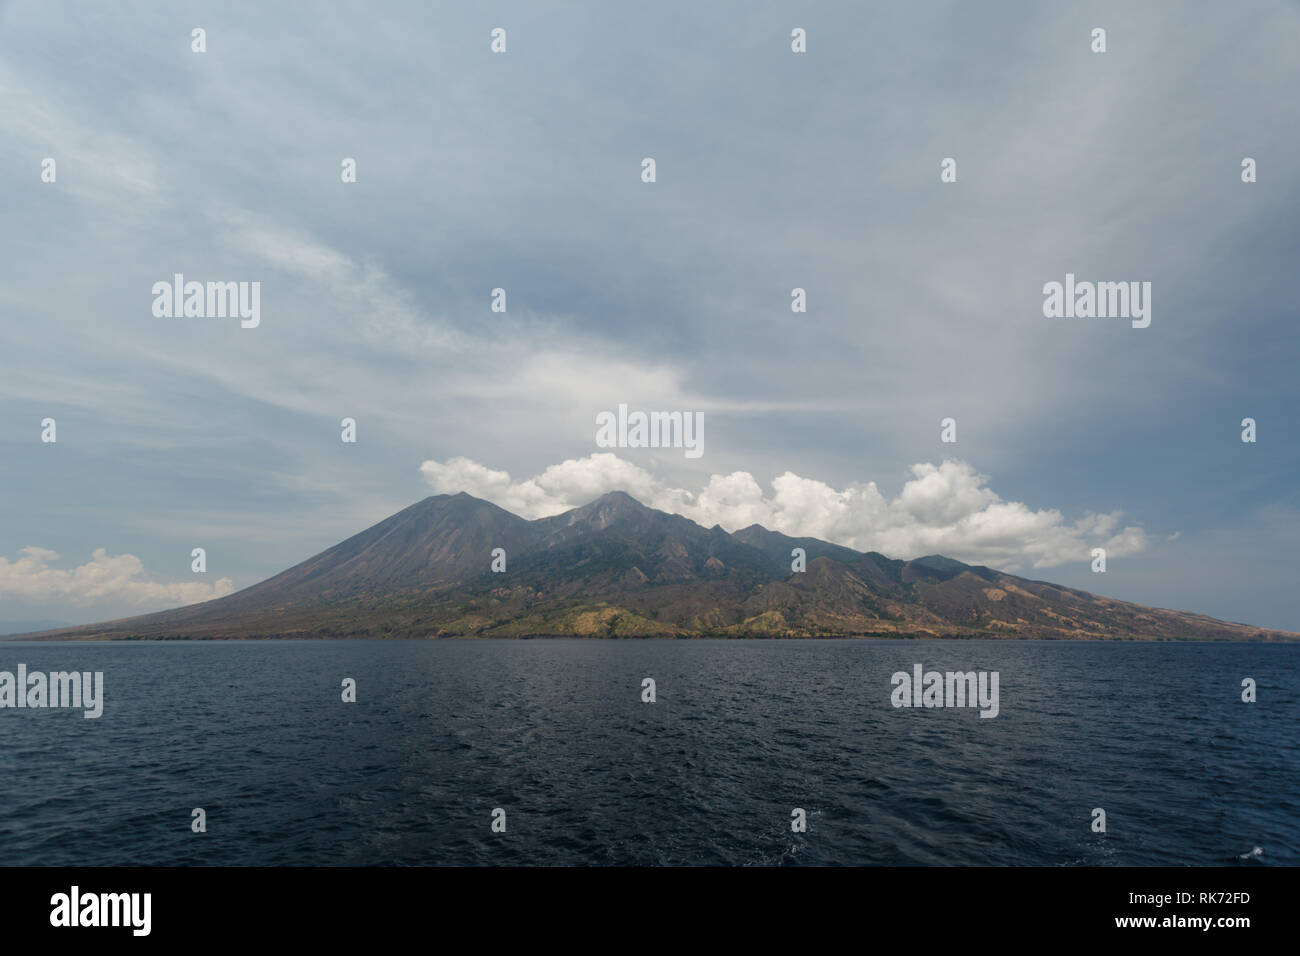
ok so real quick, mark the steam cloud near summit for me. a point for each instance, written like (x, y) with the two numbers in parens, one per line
(945, 509)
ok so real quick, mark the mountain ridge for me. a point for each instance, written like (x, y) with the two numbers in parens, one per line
(617, 568)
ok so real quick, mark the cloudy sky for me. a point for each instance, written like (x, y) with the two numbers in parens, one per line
(775, 170)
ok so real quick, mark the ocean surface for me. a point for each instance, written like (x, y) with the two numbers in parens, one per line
(555, 733)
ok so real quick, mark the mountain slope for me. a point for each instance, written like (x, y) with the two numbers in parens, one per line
(438, 541)
(615, 568)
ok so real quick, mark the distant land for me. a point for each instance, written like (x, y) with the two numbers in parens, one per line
(615, 568)
(23, 627)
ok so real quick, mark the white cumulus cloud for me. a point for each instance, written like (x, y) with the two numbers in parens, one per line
(945, 509)
(117, 578)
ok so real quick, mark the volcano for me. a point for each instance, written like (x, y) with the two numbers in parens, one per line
(615, 568)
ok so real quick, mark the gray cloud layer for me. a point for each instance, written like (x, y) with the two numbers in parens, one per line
(522, 171)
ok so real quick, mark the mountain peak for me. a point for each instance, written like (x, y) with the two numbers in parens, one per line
(610, 508)
(612, 504)
(940, 562)
(616, 497)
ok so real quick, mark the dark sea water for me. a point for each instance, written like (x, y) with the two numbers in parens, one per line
(742, 732)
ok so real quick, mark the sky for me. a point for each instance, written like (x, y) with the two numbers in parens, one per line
(774, 170)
